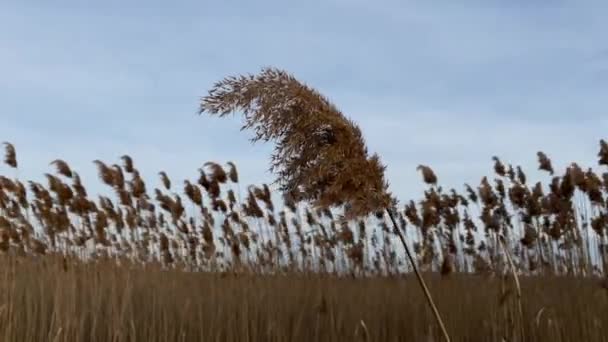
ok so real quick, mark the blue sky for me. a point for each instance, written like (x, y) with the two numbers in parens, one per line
(448, 84)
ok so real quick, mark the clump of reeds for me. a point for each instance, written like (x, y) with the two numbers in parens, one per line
(557, 226)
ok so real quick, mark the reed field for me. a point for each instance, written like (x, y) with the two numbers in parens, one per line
(325, 254)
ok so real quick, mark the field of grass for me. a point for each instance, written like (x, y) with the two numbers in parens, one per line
(210, 260)
(49, 299)
(229, 270)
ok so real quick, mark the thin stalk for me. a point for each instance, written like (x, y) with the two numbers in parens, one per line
(425, 289)
(517, 285)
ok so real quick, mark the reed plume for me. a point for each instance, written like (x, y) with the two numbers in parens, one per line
(62, 168)
(320, 155)
(428, 175)
(544, 162)
(233, 174)
(128, 163)
(165, 180)
(10, 156)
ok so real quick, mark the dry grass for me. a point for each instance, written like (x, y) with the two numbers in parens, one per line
(314, 278)
(208, 261)
(45, 300)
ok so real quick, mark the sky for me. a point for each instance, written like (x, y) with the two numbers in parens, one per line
(442, 83)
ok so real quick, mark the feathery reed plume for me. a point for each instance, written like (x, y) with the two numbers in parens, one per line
(62, 168)
(137, 185)
(521, 176)
(428, 175)
(128, 163)
(233, 174)
(10, 156)
(544, 162)
(217, 172)
(165, 180)
(193, 193)
(106, 174)
(471, 193)
(499, 167)
(119, 177)
(319, 153)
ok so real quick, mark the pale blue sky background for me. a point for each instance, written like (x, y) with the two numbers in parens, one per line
(443, 83)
